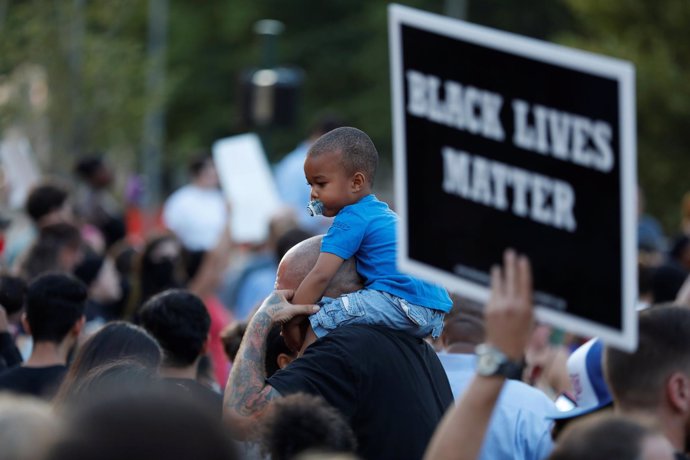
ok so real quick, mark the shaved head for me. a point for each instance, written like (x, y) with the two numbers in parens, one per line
(298, 262)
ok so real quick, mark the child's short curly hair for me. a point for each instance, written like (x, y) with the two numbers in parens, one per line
(300, 422)
(358, 153)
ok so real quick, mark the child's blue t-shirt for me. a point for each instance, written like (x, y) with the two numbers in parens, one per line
(366, 230)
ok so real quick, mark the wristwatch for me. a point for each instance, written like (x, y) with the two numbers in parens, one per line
(492, 361)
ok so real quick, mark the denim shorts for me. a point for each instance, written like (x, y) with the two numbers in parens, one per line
(376, 308)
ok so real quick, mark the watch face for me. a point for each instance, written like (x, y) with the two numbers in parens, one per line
(488, 363)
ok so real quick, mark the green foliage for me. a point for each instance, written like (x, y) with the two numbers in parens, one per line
(93, 60)
(96, 73)
(652, 36)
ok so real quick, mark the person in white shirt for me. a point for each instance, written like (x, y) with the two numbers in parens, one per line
(197, 213)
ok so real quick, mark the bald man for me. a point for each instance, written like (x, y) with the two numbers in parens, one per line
(390, 387)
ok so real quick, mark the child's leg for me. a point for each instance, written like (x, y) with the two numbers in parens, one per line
(376, 308)
(384, 309)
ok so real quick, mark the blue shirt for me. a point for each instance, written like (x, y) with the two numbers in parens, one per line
(366, 230)
(518, 429)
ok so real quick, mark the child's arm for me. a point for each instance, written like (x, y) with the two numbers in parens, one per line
(312, 288)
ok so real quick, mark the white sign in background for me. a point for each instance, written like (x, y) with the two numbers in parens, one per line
(248, 184)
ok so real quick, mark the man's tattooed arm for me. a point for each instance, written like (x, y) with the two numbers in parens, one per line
(247, 394)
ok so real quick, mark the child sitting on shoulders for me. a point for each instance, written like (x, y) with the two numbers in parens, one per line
(340, 168)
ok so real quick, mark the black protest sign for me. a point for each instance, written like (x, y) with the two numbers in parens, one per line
(504, 141)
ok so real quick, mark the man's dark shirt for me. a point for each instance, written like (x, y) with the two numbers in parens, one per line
(42, 382)
(208, 399)
(9, 354)
(390, 386)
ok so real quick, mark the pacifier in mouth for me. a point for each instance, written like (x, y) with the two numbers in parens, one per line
(315, 208)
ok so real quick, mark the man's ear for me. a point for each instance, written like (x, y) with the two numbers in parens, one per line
(78, 326)
(358, 181)
(678, 392)
(283, 360)
(25, 324)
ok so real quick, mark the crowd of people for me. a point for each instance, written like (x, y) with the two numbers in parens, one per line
(310, 345)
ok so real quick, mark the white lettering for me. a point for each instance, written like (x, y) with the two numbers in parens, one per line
(416, 93)
(536, 197)
(466, 108)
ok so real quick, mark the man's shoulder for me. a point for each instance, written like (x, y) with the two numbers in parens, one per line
(209, 399)
(515, 395)
(8, 374)
(19, 371)
(371, 332)
(520, 396)
(367, 353)
(362, 345)
(34, 380)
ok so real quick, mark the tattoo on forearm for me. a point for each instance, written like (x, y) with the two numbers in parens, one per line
(247, 393)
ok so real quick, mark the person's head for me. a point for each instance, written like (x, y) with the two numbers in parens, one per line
(231, 336)
(28, 427)
(278, 354)
(57, 248)
(47, 204)
(94, 170)
(101, 277)
(666, 282)
(340, 168)
(658, 372)
(604, 437)
(301, 422)
(463, 326)
(298, 262)
(115, 341)
(160, 266)
(180, 322)
(12, 295)
(202, 171)
(590, 393)
(155, 424)
(55, 308)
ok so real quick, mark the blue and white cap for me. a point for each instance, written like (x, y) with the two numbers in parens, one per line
(590, 392)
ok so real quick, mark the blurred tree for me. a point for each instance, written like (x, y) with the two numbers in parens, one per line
(92, 55)
(541, 19)
(340, 44)
(654, 36)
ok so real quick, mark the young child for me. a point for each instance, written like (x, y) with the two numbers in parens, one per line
(340, 168)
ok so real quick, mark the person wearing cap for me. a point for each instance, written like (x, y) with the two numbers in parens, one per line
(654, 381)
(590, 391)
(519, 427)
